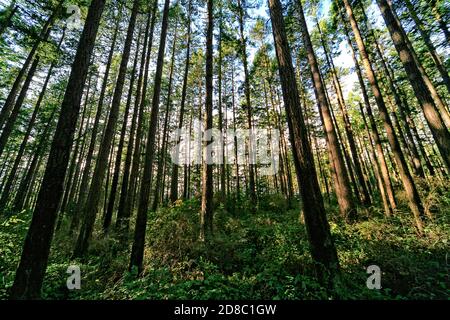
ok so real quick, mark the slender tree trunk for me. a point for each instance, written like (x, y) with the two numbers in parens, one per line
(137, 251)
(162, 160)
(84, 186)
(115, 180)
(7, 22)
(43, 36)
(441, 22)
(70, 186)
(91, 207)
(9, 126)
(413, 196)
(377, 168)
(206, 213)
(322, 247)
(13, 172)
(346, 201)
(220, 106)
(431, 48)
(126, 202)
(441, 106)
(187, 165)
(174, 178)
(440, 132)
(365, 198)
(248, 105)
(381, 159)
(31, 269)
(24, 185)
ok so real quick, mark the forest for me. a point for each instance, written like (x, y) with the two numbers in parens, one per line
(224, 149)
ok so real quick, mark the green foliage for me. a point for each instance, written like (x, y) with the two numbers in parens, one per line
(12, 233)
(264, 255)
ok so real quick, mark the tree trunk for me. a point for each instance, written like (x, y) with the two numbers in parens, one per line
(321, 242)
(91, 207)
(206, 213)
(365, 198)
(9, 126)
(174, 178)
(431, 48)
(84, 186)
(381, 159)
(346, 202)
(440, 132)
(118, 161)
(12, 174)
(442, 24)
(43, 36)
(128, 187)
(5, 24)
(414, 200)
(137, 251)
(248, 106)
(162, 159)
(31, 269)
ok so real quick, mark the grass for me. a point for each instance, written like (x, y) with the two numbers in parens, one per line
(252, 256)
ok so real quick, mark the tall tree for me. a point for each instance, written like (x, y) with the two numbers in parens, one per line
(412, 193)
(134, 151)
(440, 132)
(248, 104)
(9, 125)
(163, 150)
(174, 178)
(118, 161)
(431, 47)
(91, 207)
(206, 213)
(84, 184)
(7, 17)
(342, 184)
(365, 198)
(43, 36)
(33, 262)
(385, 184)
(319, 236)
(137, 251)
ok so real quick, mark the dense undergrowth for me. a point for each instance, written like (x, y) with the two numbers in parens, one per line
(262, 255)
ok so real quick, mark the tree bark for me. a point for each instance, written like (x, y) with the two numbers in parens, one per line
(43, 36)
(322, 247)
(206, 213)
(174, 178)
(9, 126)
(163, 150)
(137, 251)
(346, 201)
(91, 207)
(84, 185)
(12, 11)
(440, 132)
(128, 187)
(107, 219)
(248, 105)
(31, 269)
(413, 196)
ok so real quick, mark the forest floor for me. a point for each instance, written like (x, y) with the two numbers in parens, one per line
(263, 255)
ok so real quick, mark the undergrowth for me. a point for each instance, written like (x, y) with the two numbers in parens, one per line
(262, 255)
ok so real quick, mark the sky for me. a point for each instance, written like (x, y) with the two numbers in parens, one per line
(344, 60)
